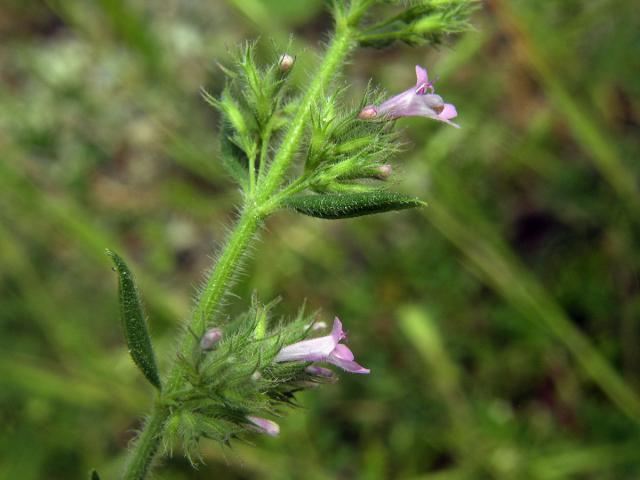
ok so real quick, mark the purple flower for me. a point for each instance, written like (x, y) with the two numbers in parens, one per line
(418, 101)
(323, 349)
(268, 427)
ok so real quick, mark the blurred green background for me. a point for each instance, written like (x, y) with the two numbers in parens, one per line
(501, 324)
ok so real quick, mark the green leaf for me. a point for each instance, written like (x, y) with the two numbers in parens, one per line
(334, 206)
(94, 475)
(134, 322)
(234, 159)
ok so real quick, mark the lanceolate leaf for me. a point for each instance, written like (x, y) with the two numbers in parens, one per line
(134, 322)
(335, 206)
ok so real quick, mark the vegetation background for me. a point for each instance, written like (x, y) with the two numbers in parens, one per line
(501, 324)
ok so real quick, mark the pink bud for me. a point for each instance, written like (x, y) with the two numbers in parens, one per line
(285, 62)
(368, 113)
(384, 172)
(263, 425)
(210, 338)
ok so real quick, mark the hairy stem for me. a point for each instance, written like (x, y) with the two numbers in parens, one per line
(146, 447)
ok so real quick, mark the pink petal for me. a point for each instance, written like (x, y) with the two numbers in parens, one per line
(421, 76)
(370, 111)
(308, 350)
(348, 365)
(422, 81)
(398, 104)
(342, 352)
(448, 112)
(336, 332)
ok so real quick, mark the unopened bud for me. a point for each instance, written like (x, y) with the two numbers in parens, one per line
(285, 62)
(368, 113)
(210, 338)
(263, 425)
(384, 172)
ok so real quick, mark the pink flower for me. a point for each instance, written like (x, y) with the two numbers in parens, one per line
(418, 101)
(323, 349)
(263, 425)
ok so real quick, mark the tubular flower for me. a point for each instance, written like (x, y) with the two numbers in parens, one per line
(268, 427)
(418, 101)
(323, 349)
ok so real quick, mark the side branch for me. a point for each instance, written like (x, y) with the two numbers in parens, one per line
(341, 45)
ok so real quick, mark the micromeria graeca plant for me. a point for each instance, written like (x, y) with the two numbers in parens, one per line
(228, 378)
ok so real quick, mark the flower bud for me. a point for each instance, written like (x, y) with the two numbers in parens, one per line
(384, 172)
(263, 425)
(285, 63)
(368, 113)
(210, 338)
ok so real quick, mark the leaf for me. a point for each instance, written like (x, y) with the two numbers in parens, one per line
(234, 159)
(94, 475)
(134, 322)
(335, 206)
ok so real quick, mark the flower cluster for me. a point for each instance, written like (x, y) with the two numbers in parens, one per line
(322, 349)
(244, 372)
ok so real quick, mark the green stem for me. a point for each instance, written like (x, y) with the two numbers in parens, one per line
(218, 283)
(264, 149)
(146, 447)
(252, 173)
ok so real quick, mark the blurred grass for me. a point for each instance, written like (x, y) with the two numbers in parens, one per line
(500, 323)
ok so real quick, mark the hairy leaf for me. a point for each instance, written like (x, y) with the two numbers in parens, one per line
(233, 157)
(335, 206)
(134, 322)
